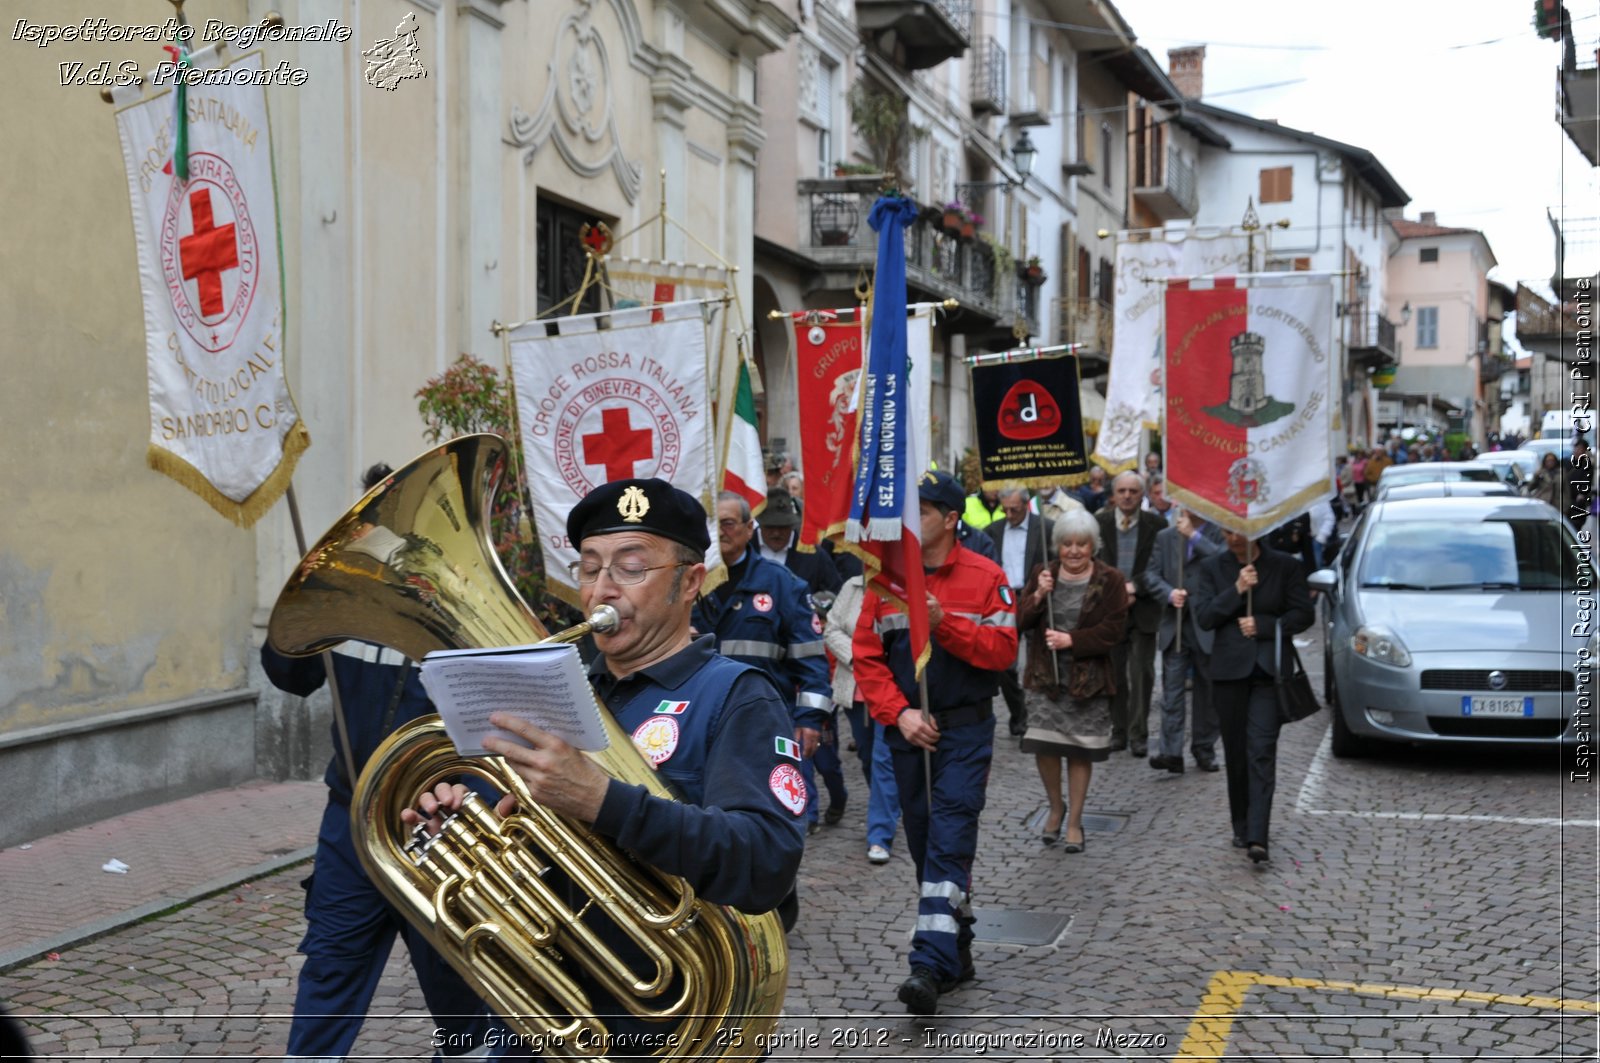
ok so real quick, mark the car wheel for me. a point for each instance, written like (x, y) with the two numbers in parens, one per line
(1346, 743)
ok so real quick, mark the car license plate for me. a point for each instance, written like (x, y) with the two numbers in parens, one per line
(1485, 705)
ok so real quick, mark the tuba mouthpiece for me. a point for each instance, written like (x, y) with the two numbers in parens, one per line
(604, 620)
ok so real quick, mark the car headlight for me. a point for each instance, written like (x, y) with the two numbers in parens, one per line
(1381, 645)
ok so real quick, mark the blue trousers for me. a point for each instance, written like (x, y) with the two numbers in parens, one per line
(883, 800)
(824, 761)
(350, 929)
(943, 842)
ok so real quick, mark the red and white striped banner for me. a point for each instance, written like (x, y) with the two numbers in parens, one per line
(1249, 397)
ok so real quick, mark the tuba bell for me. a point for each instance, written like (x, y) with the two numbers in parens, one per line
(410, 566)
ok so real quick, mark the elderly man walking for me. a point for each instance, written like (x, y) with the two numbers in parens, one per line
(1127, 539)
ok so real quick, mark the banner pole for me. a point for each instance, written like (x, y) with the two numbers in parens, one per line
(327, 655)
(1177, 643)
(927, 754)
(1049, 599)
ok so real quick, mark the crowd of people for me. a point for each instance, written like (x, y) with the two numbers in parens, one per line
(1054, 602)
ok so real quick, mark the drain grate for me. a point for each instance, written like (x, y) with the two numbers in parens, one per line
(1019, 928)
(1100, 822)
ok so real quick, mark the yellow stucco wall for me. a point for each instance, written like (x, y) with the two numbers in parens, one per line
(118, 588)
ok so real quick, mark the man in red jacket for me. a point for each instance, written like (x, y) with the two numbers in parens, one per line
(972, 616)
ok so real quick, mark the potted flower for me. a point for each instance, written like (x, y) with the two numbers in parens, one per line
(955, 216)
(853, 169)
(1033, 271)
(969, 226)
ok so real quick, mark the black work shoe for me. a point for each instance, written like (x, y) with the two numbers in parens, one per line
(968, 973)
(920, 992)
(1172, 764)
(1206, 763)
(1138, 749)
(834, 813)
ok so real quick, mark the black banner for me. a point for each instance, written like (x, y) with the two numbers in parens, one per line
(1030, 427)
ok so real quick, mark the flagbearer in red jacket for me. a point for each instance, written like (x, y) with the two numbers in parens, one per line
(972, 616)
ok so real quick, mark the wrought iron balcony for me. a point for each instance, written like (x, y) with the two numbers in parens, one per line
(837, 240)
(1168, 189)
(1087, 321)
(926, 32)
(1371, 339)
(989, 78)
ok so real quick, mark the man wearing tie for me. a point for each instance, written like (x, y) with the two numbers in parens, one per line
(1127, 538)
(1178, 549)
(1019, 545)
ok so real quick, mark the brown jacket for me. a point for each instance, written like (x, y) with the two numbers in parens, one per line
(1101, 624)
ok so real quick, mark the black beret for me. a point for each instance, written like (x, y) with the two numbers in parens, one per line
(652, 506)
(940, 488)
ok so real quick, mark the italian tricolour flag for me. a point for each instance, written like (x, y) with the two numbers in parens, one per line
(1249, 393)
(743, 470)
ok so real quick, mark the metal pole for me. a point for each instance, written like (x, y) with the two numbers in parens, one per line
(327, 655)
(927, 754)
(1183, 548)
(1049, 603)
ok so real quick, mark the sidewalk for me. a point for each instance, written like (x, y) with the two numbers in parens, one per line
(57, 893)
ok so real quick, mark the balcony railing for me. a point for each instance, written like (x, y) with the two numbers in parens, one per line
(989, 78)
(1373, 332)
(925, 32)
(1168, 189)
(1087, 321)
(837, 237)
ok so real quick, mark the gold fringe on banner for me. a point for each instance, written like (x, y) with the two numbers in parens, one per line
(246, 513)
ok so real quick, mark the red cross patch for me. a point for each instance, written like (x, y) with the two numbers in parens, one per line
(762, 602)
(789, 787)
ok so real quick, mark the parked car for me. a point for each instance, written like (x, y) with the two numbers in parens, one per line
(1448, 489)
(1562, 446)
(1514, 466)
(1427, 471)
(1448, 620)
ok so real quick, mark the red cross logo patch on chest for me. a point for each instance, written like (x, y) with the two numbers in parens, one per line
(762, 602)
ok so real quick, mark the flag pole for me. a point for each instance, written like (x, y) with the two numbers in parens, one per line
(927, 754)
(1049, 599)
(327, 655)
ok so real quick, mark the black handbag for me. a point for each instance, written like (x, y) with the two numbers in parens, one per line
(1296, 699)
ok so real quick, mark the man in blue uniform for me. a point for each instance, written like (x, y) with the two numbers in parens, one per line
(715, 727)
(761, 615)
(973, 621)
(350, 927)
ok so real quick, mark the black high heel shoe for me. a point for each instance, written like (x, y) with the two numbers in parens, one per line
(1051, 837)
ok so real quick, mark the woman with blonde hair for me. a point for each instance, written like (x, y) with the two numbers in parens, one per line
(1072, 611)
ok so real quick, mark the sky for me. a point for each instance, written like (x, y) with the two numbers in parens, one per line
(1456, 99)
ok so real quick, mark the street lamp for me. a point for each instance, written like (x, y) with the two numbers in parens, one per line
(1022, 155)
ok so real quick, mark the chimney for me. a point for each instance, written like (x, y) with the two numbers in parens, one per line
(1429, 218)
(1186, 67)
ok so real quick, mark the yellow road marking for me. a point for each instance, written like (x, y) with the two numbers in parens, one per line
(1208, 1031)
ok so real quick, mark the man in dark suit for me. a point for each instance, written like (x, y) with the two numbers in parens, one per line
(1178, 550)
(1020, 542)
(1250, 598)
(1127, 539)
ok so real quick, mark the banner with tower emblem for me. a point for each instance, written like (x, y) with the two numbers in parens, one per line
(1133, 384)
(600, 404)
(1249, 373)
(222, 421)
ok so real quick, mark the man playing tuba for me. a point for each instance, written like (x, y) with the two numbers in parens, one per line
(717, 729)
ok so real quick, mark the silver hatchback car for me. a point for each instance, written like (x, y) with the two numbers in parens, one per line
(1451, 619)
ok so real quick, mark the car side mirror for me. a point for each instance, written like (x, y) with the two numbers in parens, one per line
(1323, 579)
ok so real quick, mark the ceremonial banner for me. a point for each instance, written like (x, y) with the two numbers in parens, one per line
(1133, 385)
(828, 371)
(1249, 374)
(222, 421)
(885, 519)
(742, 469)
(1030, 429)
(596, 405)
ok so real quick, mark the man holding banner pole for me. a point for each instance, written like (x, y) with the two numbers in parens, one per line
(933, 604)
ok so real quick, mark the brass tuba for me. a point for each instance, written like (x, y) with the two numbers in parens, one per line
(410, 566)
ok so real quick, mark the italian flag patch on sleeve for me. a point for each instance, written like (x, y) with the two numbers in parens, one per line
(787, 747)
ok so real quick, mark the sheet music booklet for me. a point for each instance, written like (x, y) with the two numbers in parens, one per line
(544, 684)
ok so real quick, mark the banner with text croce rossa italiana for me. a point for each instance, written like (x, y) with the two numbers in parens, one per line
(600, 404)
(222, 421)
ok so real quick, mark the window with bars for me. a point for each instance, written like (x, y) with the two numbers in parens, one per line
(1428, 254)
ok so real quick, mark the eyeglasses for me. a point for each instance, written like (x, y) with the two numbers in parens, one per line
(622, 574)
(728, 523)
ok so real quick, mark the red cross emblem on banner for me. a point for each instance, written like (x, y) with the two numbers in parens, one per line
(618, 445)
(206, 252)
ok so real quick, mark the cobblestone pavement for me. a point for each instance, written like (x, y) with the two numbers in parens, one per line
(1417, 904)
